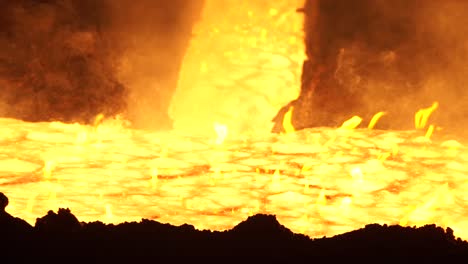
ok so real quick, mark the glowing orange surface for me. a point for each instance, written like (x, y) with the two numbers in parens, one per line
(319, 182)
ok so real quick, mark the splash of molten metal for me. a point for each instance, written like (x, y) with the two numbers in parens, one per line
(221, 132)
(98, 120)
(429, 132)
(287, 121)
(351, 123)
(421, 116)
(375, 119)
(49, 165)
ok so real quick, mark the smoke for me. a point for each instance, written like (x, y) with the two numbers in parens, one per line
(55, 63)
(70, 60)
(446, 73)
(394, 56)
(155, 36)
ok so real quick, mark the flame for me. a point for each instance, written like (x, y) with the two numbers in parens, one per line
(287, 123)
(154, 177)
(49, 165)
(375, 119)
(98, 120)
(422, 115)
(221, 132)
(429, 132)
(351, 123)
(108, 209)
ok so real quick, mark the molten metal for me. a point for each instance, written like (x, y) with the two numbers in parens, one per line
(319, 182)
(287, 123)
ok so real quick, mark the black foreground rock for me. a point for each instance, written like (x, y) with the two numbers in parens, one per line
(59, 235)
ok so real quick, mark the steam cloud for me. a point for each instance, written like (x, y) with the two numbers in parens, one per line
(69, 60)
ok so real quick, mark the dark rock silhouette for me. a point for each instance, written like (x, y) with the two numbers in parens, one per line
(12, 227)
(62, 222)
(60, 236)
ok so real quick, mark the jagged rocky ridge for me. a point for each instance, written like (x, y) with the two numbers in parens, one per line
(62, 234)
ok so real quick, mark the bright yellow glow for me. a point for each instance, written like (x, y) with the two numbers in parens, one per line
(423, 213)
(351, 123)
(49, 165)
(81, 137)
(357, 174)
(321, 199)
(287, 123)
(335, 183)
(276, 181)
(421, 116)
(429, 132)
(375, 119)
(30, 205)
(273, 12)
(154, 177)
(306, 185)
(346, 202)
(243, 63)
(384, 156)
(221, 132)
(109, 214)
(452, 144)
(395, 150)
(98, 120)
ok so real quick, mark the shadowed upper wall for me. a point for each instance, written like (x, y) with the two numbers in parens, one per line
(71, 60)
(366, 56)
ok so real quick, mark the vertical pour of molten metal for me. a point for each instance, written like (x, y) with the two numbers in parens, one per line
(243, 64)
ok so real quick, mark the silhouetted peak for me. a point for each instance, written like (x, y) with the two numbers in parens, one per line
(61, 222)
(261, 225)
(3, 202)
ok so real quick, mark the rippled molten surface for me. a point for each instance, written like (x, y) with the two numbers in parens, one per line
(319, 182)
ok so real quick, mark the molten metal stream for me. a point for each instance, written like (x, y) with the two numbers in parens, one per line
(243, 64)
